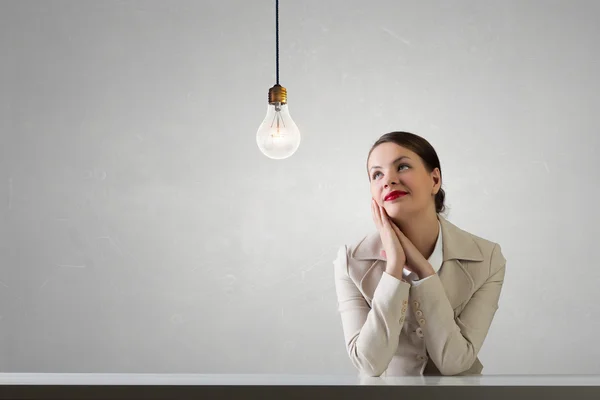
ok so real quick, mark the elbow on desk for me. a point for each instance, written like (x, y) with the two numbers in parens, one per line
(455, 367)
(365, 368)
(370, 371)
(366, 365)
(371, 368)
(450, 370)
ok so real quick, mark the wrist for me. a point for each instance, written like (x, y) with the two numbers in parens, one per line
(426, 271)
(396, 274)
(395, 269)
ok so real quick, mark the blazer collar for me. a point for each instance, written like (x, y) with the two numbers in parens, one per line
(457, 245)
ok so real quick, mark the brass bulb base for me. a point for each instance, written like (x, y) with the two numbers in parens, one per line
(278, 94)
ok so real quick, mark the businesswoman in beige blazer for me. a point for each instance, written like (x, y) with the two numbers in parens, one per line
(418, 296)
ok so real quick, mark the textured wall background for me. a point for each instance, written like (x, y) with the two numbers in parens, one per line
(141, 230)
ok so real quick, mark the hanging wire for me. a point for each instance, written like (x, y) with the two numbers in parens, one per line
(277, 39)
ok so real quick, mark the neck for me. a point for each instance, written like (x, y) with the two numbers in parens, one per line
(422, 230)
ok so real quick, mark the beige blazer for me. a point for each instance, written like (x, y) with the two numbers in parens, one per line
(435, 328)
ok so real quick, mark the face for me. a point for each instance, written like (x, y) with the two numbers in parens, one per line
(395, 168)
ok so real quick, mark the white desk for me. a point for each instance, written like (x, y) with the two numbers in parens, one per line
(289, 387)
(293, 380)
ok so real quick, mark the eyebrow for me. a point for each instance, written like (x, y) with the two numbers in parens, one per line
(395, 161)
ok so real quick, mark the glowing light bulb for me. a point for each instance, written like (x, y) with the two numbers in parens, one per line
(278, 137)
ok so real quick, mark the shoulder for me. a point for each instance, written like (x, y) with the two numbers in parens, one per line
(490, 251)
(357, 256)
(488, 247)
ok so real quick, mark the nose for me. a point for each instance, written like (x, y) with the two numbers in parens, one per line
(389, 181)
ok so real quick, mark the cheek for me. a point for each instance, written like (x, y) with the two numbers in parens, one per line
(417, 188)
(409, 182)
(375, 190)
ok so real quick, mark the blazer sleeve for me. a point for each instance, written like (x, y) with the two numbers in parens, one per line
(371, 333)
(452, 344)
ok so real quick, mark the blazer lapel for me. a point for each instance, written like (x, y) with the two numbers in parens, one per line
(370, 266)
(459, 249)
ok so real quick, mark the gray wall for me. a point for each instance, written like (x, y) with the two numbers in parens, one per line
(141, 230)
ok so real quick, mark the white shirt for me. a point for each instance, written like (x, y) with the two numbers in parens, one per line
(435, 260)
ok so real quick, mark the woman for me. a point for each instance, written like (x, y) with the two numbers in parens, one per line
(417, 297)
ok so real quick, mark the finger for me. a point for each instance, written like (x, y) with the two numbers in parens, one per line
(401, 236)
(409, 248)
(384, 217)
(375, 214)
(397, 230)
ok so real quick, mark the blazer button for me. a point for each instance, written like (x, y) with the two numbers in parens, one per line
(421, 358)
(419, 313)
(422, 321)
(419, 332)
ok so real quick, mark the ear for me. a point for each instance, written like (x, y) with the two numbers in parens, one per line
(437, 180)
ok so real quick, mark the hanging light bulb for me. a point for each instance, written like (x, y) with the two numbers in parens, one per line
(278, 137)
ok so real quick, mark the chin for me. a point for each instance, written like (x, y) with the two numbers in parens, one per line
(397, 211)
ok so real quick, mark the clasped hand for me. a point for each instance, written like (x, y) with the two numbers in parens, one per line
(398, 251)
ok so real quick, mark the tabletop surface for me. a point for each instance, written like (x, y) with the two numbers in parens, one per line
(295, 380)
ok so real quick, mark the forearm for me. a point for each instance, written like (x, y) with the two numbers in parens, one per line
(425, 270)
(451, 352)
(374, 345)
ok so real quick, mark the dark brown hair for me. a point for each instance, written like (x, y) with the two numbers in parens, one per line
(423, 149)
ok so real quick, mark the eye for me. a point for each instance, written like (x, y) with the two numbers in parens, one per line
(376, 174)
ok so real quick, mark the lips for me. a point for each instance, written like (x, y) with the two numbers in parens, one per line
(394, 195)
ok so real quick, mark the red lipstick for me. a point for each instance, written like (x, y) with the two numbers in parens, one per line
(394, 195)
